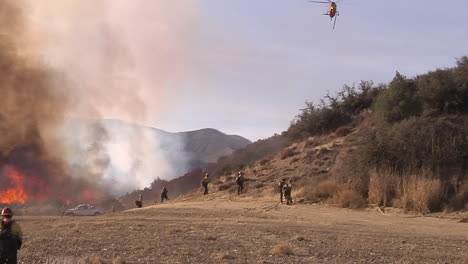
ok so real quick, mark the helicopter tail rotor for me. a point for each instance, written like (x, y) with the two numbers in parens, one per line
(334, 23)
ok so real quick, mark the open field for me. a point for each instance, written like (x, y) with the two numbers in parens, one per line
(245, 231)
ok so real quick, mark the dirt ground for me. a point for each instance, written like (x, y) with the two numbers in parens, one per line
(245, 231)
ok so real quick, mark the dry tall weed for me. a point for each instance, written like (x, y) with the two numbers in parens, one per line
(421, 193)
(382, 186)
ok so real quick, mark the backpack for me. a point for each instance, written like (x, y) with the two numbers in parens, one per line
(9, 242)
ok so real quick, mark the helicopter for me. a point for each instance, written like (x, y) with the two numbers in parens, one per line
(332, 10)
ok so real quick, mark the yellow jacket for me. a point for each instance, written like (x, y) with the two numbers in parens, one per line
(15, 229)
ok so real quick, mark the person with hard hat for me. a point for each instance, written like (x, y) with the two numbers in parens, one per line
(164, 194)
(281, 184)
(138, 203)
(204, 184)
(11, 238)
(240, 183)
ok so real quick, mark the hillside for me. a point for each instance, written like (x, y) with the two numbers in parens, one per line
(209, 144)
(403, 144)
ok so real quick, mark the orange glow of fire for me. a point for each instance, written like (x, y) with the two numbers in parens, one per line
(17, 194)
(68, 202)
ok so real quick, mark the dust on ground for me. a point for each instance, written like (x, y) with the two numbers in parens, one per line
(244, 231)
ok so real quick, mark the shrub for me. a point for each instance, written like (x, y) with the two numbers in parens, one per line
(326, 189)
(289, 152)
(399, 101)
(349, 199)
(438, 91)
(460, 200)
(342, 131)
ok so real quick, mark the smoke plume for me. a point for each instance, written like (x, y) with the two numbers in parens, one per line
(66, 65)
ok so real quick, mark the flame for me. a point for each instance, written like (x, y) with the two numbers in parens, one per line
(17, 194)
(68, 202)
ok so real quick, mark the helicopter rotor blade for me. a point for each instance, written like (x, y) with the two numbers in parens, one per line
(319, 2)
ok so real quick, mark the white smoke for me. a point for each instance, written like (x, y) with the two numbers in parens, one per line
(118, 57)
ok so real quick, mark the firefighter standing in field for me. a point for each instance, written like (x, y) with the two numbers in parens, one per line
(204, 184)
(281, 184)
(240, 183)
(11, 238)
(287, 189)
(164, 194)
(139, 202)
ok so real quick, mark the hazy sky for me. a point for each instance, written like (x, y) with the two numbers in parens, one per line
(241, 66)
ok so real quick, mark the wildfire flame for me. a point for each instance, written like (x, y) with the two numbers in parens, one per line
(17, 194)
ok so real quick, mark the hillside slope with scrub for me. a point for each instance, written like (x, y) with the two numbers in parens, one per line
(402, 144)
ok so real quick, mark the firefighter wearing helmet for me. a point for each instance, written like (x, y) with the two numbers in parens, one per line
(204, 184)
(11, 238)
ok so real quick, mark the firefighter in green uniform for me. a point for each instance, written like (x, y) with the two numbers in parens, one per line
(11, 238)
(240, 183)
(139, 202)
(164, 194)
(204, 184)
(287, 189)
(281, 184)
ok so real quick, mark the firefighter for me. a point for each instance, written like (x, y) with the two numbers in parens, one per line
(204, 184)
(240, 183)
(287, 189)
(164, 194)
(281, 184)
(11, 238)
(139, 202)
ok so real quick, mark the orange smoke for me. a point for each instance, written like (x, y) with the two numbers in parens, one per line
(16, 194)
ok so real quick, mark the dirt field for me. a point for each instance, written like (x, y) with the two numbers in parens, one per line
(244, 231)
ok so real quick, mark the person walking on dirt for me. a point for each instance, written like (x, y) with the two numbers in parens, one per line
(11, 238)
(281, 184)
(240, 183)
(164, 194)
(139, 202)
(204, 184)
(287, 189)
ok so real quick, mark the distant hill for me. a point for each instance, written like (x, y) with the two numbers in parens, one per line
(209, 144)
(202, 146)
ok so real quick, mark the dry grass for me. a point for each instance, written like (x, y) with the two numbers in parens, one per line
(224, 187)
(349, 199)
(225, 255)
(382, 187)
(281, 249)
(64, 260)
(327, 189)
(298, 238)
(289, 152)
(421, 193)
(342, 131)
(118, 260)
(314, 192)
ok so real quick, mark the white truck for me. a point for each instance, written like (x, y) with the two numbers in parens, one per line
(84, 209)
